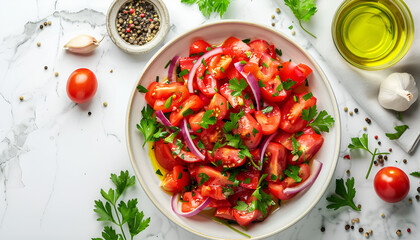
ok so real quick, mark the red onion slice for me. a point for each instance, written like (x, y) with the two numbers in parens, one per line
(252, 82)
(211, 53)
(264, 147)
(162, 118)
(315, 170)
(189, 141)
(171, 70)
(174, 205)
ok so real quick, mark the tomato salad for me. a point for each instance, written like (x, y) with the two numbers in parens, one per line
(235, 127)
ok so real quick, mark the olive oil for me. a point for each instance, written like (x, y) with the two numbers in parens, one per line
(372, 33)
(156, 166)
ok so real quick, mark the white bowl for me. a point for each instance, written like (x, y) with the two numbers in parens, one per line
(290, 212)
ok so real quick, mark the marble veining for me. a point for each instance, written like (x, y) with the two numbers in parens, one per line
(54, 157)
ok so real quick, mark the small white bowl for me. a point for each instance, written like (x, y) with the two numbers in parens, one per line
(111, 27)
(290, 211)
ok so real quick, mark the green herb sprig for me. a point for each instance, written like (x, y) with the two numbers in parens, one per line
(123, 213)
(362, 143)
(400, 130)
(343, 197)
(303, 10)
(209, 6)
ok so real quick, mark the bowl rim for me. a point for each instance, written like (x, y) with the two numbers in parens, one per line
(324, 79)
(162, 10)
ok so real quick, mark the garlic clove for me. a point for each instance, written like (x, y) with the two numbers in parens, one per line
(398, 92)
(82, 44)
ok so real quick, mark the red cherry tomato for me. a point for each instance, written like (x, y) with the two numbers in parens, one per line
(391, 184)
(82, 85)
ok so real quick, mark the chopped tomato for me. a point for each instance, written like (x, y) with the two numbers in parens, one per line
(309, 144)
(232, 73)
(164, 157)
(220, 203)
(276, 162)
(262, 46)
(176, 180)
(186, 63)
(193, 103)
(213, 191)
(207, 84)
(291, 113)
(304, 172)
(173, 93)
(195, 120)
(268, 118)
(285, 139)
(297, 73)
(210, 176)
(273, 90)
(191, 200)
(148, 96)
(218, 65)
(228, 157)
(169, 183)
(224, 213)
(235, 47)
(269, 67)
(183, 154)
(219, 104)
(277, 190)
(249, 130)
(249, 179)
(212, 134)
(199, 47)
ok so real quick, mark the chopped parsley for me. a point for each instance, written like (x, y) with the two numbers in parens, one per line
(142, 89)
(203, 178)
(183, 73)
(207, 119)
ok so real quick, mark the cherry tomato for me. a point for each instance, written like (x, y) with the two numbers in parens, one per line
(250, 131)
(224, 213)
(218, 65)
(199, 47)
(271, 91)
(207, 85)
(276, 162)
(164, 155)
(191, 200)
(81, 85)
(309, 144)
(252, 174)
(186, 63)
(176, 180)
(228, 156)
(235, 47)
(269, 121)
(215, 177)
(291, 113)
(219, 104)
(391, 184)
(193, 103)
(297, 73)
(213, 191)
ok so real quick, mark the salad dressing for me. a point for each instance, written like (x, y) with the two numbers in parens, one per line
(155, 164)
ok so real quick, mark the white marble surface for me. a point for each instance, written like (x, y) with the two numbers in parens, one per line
(54, 158)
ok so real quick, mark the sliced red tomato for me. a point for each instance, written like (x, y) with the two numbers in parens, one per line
(270, 119)
(227, 93)
(210, 176)
(162, 92)
(276, 162)
(148, 96)
(184, 154)
(244, 218)
(176, 180)
(195, 120)
(235, 47)
(218, 65)
(213, 191)
(219, 106)
(304, 172)
(249, 179)
(169, 183)
(193, 103)
(228, 157)
(291, 113)
(277, 190)
(269, 67)
(191, 200)
(262, 46)
(224, 213)
(207, 84)
(273, 92)
(250, 131)
(297, 73)
(187, 63)
(285, 139)
(199, 47)
(232, 73)
(164, 157)
(220, 203)
(212, 134)
(309, 144)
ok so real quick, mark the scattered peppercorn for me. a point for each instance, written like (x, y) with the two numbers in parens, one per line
(390, 149)
(418, 189)
(364, 128)
(381, 161)
(379, 143)
(408, 230)
(352, 227)
(322, 229)
(351, 113)
(89, 113)
(137, 22)
(382, 215)
(277, 10)
(359, 206)
(56, 74)
(45, 23)
(405, 161)
(356, 110)
(346, 156)
(347, 227)
(272, 16)
(49, 23)
(410, 200)
(376, 137)
(21, 98)
(45, 67)
(345, 109)
(367, 234)
(398, 232)
(368, 120)
(348, 172)
(417, 197)
(376, 163)
(273, 24)
(357, 220)
(380, 156)
(353, 221)
(38, 44)
(370, 232)
(111, 71)
(386, 157)
(105, 104)
(360, 230)
(41, 26)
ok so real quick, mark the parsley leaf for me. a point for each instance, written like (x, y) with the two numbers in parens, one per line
(400, 130)
(203, 178)
(233, 140)
(233, 123)
(209, 6)
(237, 86)
(362, 143)
(307, 96)
(322, 122)
(415, 174)
(142, 89)
(168, 102)
(241, 206)
(148, 124)
(261, 83)
(293, 172)
(125, 212)
(264, 200)
(343, 197)
(267, 109)
(309, 114)
(207, 119)
(303, 10)
(288, 84)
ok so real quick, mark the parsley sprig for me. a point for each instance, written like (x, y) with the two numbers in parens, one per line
(362, 143)
(151, 129)
(400, 130)
(209, 6)
(303, 10)
(343, 197)
(237, 86)
(124, 213)
(415, 174)
(322, 123)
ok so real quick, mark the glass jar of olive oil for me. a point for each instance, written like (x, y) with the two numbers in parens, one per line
(373, 34)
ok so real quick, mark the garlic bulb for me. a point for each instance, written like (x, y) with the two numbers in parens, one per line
(398, 91)
(82, 44)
